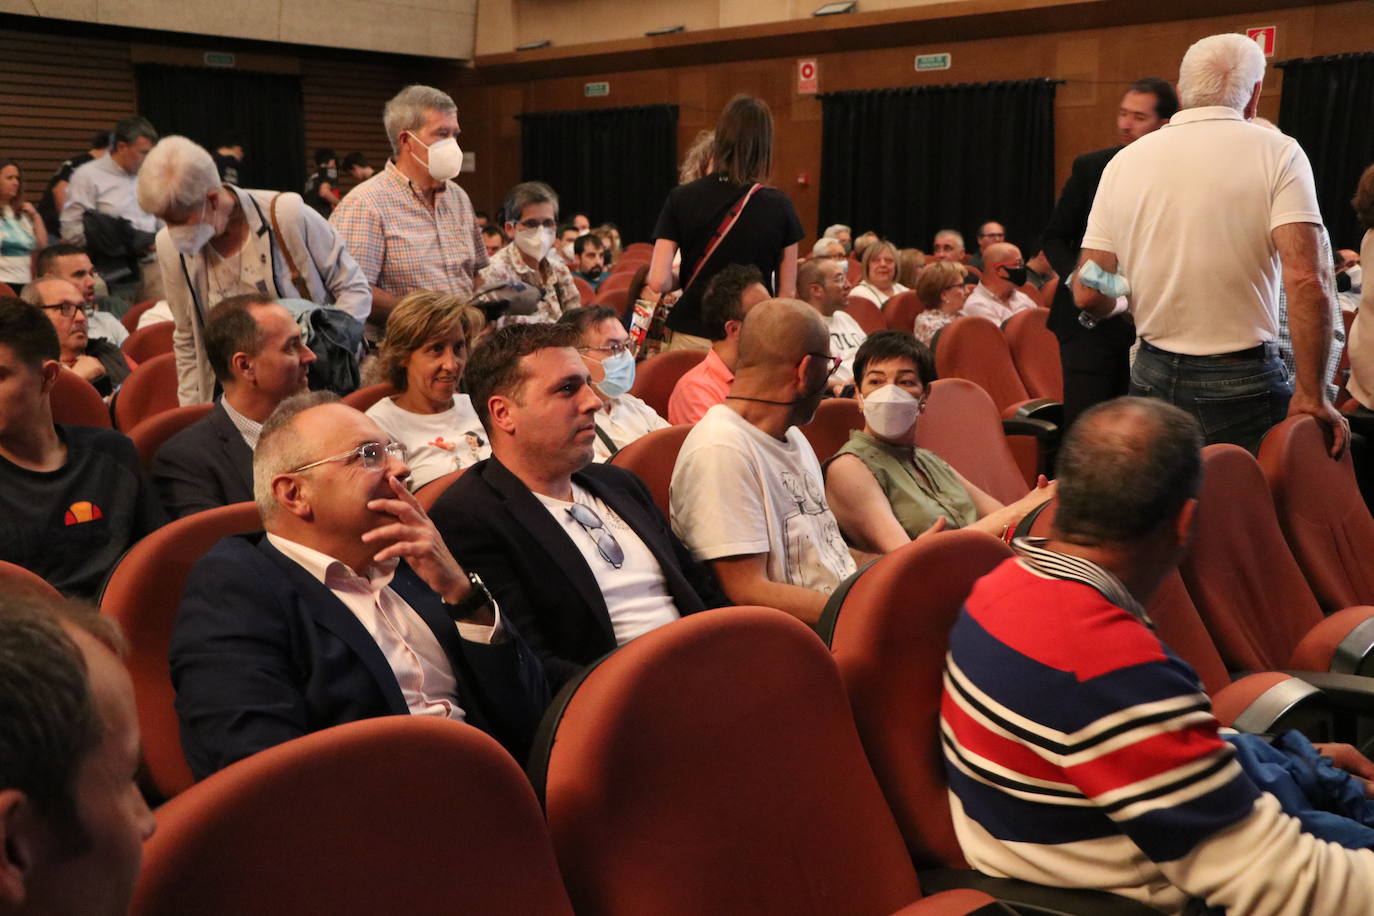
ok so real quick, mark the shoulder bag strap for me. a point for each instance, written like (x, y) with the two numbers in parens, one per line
(722, 231)
(302, 287)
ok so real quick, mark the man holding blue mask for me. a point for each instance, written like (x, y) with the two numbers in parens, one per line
(575, 552)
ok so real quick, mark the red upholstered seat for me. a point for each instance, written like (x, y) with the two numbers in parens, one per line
(16, 580)
(368, 395)
(130, 318)
(149, 341)
(150, 389)
(899, 312)
(961, 425)
(614, 297)
(585, 293)
(618, 279)
(1246, 584)
(152, 433)
(1324, 519)
(639, 250)
(652, 457)
(866, 314)
(1035, 353)
(75, 402)
(656, 376)
(712, 766)
(143, 594)
(400, 814)
(829, 429)
(7, 290)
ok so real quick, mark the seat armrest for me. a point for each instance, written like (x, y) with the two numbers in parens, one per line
(1017, 425)
(1040, 409)
(1035, 899)
(1342, 642)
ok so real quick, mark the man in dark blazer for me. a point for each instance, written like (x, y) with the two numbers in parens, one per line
(255, 348)
(348, 606)
(1096, 360)
(575, 553)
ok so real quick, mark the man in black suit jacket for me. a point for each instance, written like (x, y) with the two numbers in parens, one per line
(575, 553)
(349, 606)
(259, 359)
(1096, 360)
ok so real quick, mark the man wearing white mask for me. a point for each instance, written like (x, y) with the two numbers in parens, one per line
(409, 226)
(532, 211)
(602, 340)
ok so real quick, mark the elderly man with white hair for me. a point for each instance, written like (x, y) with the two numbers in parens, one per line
(223, 241)
(410, 226)
(842, 234)
(827, 247)
(1210, 181)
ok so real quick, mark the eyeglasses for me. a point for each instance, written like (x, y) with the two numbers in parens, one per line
(992, 235)
(539, 223)
(614, 348)
(834, 361)
(66, 308)
(371, 455)
(606, 544)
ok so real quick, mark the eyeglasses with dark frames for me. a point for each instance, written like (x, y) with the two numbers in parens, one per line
(606, 544)
(66, 308)
(834, 361)
(533, 223)
(371, 455)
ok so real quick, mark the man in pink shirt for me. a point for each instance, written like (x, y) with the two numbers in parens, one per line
(732, 292)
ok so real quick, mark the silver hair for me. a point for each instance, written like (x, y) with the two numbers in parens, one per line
(950, 234)
(827, 247)
(526, 193)
(1220, 70)
(280, 448)
(832, 232)
(407, 110)
(176, 177)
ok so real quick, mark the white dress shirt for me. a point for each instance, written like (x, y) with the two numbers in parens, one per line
(623, 420)
(982, 303)
(421, 666)
(102, 186)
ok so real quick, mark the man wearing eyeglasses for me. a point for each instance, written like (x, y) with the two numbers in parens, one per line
(532, 211)
(349, 606)
(747, 492)
(95, 359)
(576, 553)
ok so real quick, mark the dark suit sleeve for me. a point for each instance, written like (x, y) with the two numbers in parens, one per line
(182, 478)
(1064, 232)
(236, 685)
(511, 687)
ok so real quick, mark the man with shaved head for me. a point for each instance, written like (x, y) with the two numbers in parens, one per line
(999, 295)
(747, 493)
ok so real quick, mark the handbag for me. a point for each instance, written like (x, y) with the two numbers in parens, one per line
(649, 321)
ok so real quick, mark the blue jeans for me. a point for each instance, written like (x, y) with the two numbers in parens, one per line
(1236, 398)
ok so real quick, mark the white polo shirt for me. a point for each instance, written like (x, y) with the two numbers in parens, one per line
(1188, 211)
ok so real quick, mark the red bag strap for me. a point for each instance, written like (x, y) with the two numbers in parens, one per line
(721, 232)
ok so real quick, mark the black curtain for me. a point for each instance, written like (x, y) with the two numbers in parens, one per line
(908, 162)
(614, 164)
(265, 109)
(1328, 107)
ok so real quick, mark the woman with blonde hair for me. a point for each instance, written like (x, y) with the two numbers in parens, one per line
(423, 355)
(879, 282)
(910, 261)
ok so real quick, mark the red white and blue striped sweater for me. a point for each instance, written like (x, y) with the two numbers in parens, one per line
(1082, 752)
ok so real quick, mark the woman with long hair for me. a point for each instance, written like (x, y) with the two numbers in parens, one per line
(21, 230)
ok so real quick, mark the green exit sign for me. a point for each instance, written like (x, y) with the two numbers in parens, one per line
(219, 59)
(596, 90)
(934, 61)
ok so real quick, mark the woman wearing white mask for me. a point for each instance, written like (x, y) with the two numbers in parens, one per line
(223, 241)
(884, 490)
(428, 337)
(531, 223)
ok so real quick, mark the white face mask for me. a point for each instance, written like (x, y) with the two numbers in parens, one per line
(445, 158)
(534, 242)
(890, 411)
(191, 238)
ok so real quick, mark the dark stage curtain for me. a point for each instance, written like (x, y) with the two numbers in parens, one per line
(615, 164)
(265, 109)
(909, 162)
(1328, 107)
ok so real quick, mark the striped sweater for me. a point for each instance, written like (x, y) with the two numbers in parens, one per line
(1082, 752)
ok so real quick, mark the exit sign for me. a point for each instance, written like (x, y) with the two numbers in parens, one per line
(219, 59)
(596, 90)
(934, 61)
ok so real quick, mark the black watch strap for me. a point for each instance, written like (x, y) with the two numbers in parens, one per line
(478, 597)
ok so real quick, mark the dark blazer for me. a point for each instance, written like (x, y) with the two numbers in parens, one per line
(497, 528)
(205, 465)
(262, 653)
(1062, 241)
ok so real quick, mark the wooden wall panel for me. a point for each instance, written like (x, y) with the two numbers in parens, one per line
(343, 108)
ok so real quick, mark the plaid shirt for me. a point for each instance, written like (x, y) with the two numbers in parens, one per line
(401, 244)
(560, 293)
(1333, 357)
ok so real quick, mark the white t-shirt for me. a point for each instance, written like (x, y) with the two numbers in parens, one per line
(626, 419)
(1188, 211)
(737, 491)
(100, 323)
(866, 290)
(1361, 344)
(438, 443)
(983, 304)
(636, 594)
(845, 338)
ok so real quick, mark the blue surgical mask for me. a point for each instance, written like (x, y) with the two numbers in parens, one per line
(620, 374)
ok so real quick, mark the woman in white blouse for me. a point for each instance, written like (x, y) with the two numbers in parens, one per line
(423, 354)
(879, 282)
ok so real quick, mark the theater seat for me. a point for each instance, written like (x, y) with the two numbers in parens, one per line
(614, 297)
(399, 814)
(712, 766)
(7, 290)
(16, 580)
(1249, 589)
(652, 457)
(75, 402)
(640, 250)
(899, 312)
(961, 425)
(656, 376)
(130, 318)
(829, 429)
(429, 494)
(585, 293)
(150, 389)
(867, 315)
(147, 342)
(1035, 353)
(143, 594)
(1325, 521)
(153, 433)
(368, 395)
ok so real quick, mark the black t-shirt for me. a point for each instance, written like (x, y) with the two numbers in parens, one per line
(112, 359)
(312, 190)
(47, 204)
(693, 213)
(229, 167)
(72, 525)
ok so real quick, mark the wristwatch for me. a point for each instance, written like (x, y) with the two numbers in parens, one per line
(475, 599)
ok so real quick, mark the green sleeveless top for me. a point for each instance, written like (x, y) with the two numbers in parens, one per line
(916, 501)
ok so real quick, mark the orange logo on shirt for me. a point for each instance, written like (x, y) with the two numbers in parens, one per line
(83, 512)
